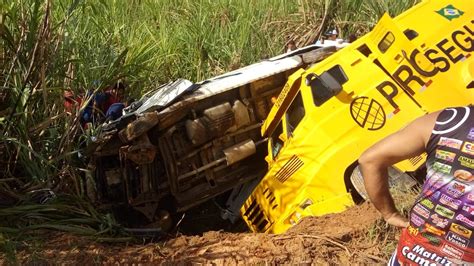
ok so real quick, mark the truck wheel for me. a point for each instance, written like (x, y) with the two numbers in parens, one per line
(357, 182)
(398, 180)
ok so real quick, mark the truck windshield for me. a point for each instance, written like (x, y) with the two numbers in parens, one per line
(295, 113)
(275, 140)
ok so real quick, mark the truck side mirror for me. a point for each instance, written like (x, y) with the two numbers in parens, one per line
(323, 87)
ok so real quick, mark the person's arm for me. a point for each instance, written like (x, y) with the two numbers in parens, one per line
(406, 143)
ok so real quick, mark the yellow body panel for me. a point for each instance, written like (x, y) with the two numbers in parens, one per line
(405, 67)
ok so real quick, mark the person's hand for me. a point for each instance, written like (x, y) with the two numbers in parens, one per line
(396, 219)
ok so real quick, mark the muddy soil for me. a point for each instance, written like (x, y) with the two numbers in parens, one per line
(355, 236)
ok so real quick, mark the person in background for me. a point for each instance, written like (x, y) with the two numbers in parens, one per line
(115, 101)
(68, 100)
(330, 39)
(290, 46)
(331, 35)
(105, 105)
(71, 102)
(114, 94)
(93, 113)
(351, 38)
(114, 111)
(440, 227)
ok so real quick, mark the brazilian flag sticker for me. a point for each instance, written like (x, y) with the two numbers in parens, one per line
(450, 12)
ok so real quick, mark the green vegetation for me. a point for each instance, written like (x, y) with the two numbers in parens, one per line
(47, 47)
(384, 236)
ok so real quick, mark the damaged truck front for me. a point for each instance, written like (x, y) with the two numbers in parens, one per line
(328, 114)
(186, 143)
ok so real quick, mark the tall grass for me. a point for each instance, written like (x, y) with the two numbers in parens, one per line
(383, 236)
(47, 47)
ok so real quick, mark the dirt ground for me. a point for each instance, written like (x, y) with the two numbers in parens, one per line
(355, 236)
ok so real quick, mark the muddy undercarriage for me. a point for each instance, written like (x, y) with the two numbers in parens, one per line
(186, 143)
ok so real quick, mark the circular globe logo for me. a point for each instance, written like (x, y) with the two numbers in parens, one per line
(368, 113)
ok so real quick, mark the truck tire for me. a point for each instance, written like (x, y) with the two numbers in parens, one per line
(397, 180)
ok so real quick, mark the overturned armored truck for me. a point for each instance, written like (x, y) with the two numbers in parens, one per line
(185, 143)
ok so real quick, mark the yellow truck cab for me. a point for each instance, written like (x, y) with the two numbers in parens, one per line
(329, 113)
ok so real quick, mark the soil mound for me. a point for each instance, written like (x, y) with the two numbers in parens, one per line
(357, 235)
